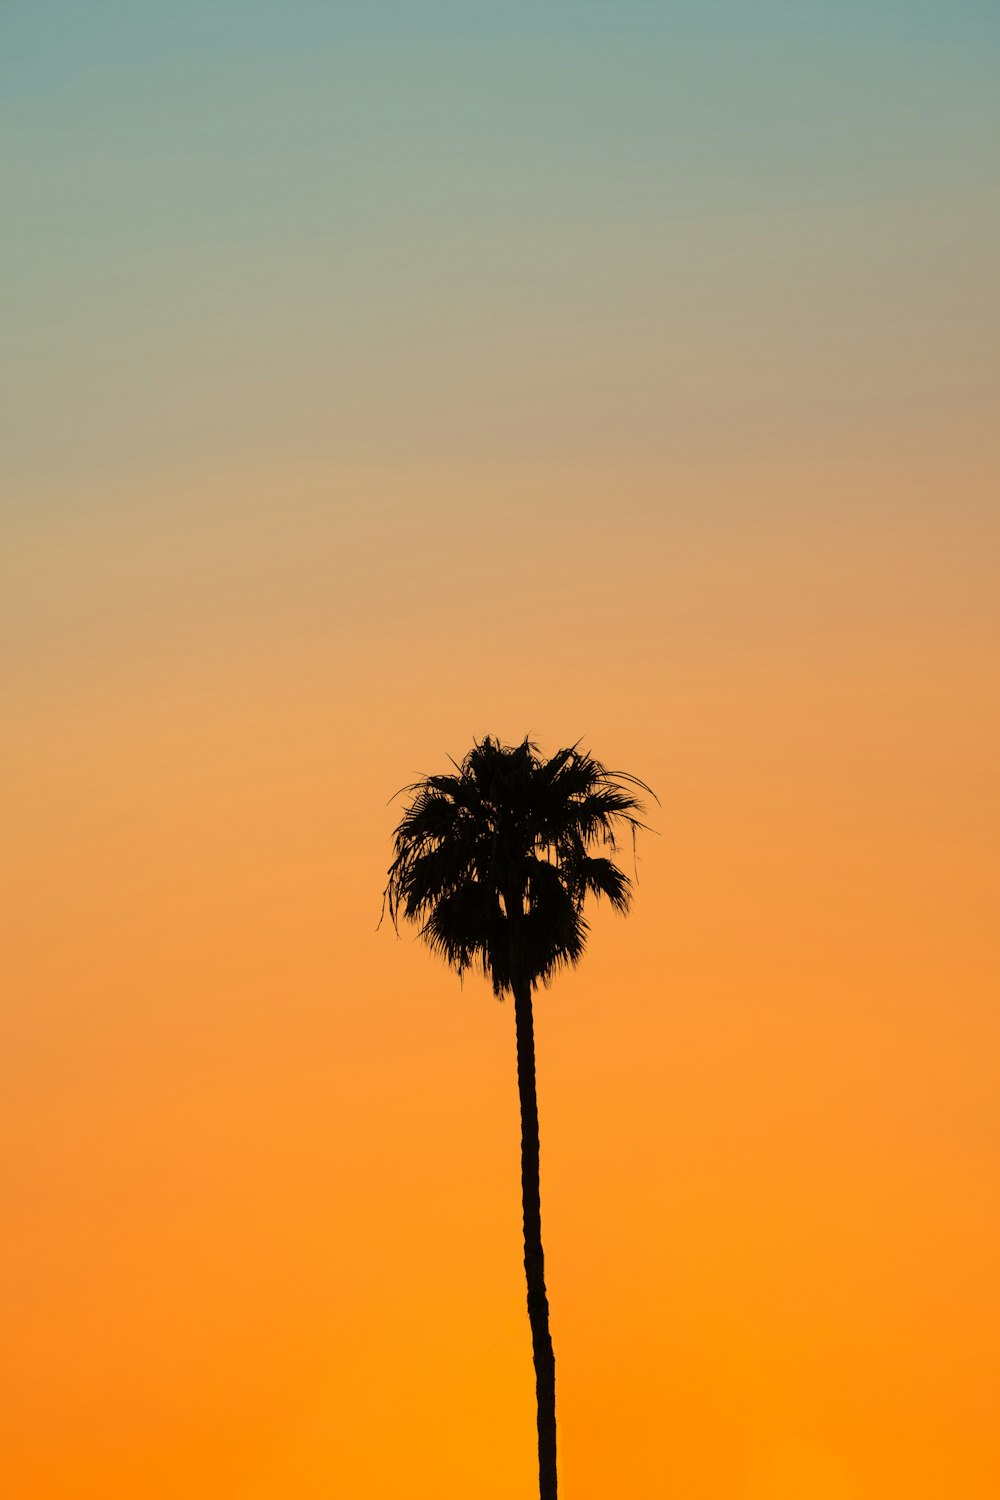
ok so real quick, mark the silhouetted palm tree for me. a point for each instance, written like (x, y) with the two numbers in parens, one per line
(495, 863)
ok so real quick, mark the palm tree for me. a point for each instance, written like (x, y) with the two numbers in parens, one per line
(495, 863)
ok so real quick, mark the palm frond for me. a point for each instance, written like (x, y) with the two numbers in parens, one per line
(495, 862)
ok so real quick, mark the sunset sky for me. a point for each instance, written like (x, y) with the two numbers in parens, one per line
(377, 377)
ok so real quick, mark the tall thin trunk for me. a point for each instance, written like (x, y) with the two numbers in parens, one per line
(534, 1259)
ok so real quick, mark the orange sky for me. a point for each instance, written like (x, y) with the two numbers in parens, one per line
(262, 1205)
(290, 524)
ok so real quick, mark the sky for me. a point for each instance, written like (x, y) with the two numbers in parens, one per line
(377, 378)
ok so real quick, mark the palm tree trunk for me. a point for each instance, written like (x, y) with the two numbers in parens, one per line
(534, 1260)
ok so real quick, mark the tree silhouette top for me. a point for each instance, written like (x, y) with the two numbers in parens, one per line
(495, 861)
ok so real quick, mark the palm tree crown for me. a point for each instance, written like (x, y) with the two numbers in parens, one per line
(495, 862)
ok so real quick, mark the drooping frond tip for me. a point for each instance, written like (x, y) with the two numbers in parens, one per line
(495, 861)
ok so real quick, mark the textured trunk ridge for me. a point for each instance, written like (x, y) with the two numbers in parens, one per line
(534, 1259)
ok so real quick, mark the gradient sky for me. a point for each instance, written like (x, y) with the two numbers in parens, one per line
(375, 378)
